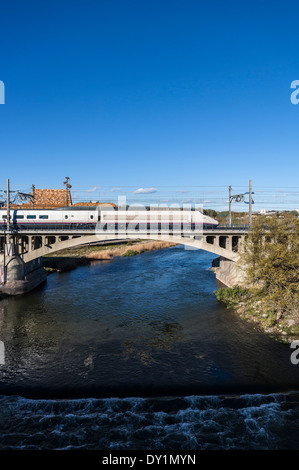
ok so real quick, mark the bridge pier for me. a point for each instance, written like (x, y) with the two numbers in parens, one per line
(23, 244)
(228, 272)
(17, 276)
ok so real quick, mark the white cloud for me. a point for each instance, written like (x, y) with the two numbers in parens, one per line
(114, 190)
(145, 191)
(188, 201)
(92, 190)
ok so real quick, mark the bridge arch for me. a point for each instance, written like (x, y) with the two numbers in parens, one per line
(210, 243)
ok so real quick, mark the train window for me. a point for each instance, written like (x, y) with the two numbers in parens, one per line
(4, 216)
(31, 216)
(66, 216)
(19, 217)
(43, 216)
(91, 216)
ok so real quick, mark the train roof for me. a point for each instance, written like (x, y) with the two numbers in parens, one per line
(106, 207)
(77, 208)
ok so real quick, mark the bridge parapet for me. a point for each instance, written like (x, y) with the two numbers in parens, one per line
(36, 241)
(112, 228)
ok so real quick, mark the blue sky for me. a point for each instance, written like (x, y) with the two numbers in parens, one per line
(149, 94)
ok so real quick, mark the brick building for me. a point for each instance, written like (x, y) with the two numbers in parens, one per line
(51, 198)
(54, 198)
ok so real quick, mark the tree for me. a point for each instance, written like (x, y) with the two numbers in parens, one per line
(210, 212)
(271, 255)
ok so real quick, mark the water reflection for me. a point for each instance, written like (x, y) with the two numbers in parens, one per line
(162, 336)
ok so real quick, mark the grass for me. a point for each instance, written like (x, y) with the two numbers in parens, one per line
(68, 259)
(83, 251)
(138, 248)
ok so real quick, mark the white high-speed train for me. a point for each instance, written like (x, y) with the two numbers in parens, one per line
(59, 216)
(94, 215)
(157, 216)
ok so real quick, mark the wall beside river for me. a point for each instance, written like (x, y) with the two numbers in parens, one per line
(248, 303)
(228, 272)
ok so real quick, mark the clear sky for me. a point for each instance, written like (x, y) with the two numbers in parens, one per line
(149, 93)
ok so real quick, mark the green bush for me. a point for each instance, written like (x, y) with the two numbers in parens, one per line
(295, 330)
(131, 253)
(230, 295)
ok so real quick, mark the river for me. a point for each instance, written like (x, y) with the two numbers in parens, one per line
(137, 353)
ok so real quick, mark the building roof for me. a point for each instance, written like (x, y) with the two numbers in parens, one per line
(92, 204)
(47, 199)
(55, 198)
(51, 198)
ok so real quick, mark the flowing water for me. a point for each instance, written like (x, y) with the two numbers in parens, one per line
(137, 353)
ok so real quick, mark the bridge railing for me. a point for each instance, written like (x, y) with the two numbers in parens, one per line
(231, 228)
(143, 228)
(48, 228)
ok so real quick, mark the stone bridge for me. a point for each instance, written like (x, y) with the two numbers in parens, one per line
(22, 255)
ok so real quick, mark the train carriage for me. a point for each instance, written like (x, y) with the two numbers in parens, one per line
(91, 216)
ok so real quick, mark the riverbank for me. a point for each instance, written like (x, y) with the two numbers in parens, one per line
(252, 306)
(66, 260)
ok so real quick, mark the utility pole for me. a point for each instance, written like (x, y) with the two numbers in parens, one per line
(230, 205)
(11, 240)
(7, 209)
(6, 236)
(32, 190)
(4, 261)
(67, 187)
(250, 203)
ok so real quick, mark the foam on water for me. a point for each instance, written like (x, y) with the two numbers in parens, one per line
(189, 423)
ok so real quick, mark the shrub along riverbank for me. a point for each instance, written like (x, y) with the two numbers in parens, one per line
(271, 263)
(251, 305)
